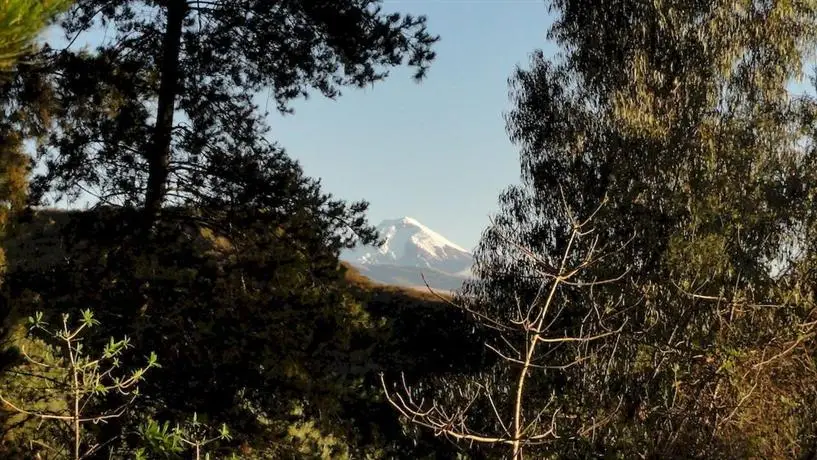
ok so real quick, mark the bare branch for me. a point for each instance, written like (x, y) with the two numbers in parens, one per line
(582, 248)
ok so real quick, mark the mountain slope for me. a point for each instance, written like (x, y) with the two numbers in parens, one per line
(410, 248)
(411, 277)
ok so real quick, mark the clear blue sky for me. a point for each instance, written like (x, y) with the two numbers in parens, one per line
(436, 151)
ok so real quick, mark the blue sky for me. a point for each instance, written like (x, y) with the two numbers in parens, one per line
(436, 151)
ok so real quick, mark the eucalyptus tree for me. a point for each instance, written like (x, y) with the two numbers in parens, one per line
(676, 115)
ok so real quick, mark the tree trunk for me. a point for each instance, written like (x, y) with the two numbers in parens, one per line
(159, 154)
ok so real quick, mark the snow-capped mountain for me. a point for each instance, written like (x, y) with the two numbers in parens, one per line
(409, 243)
(410, 248)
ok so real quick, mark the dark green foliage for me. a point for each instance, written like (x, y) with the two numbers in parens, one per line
(250, 331)
(20, 23)
(677, 114)
(235, 324)
(116, 133)
(672, 115)
(24, 99)
(238, 286)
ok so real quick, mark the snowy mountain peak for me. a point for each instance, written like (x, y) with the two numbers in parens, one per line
(424, 236)
(409, 243)
(410, 221)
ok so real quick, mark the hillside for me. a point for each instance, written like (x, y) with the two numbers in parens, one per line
(39, 242)
(411, 277)
(423, 326)
(372, 329)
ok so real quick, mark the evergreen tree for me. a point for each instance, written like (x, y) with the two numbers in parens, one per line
(20, 22)
(238, 288)
(150, 116)
(23, 99)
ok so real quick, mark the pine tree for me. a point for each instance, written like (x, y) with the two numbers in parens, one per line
(239, 282)
(20, 22)
(149, 116)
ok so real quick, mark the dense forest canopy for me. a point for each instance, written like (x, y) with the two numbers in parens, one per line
(646, 291)
(237, 286)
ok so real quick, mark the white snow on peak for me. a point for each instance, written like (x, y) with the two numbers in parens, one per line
(426, 238)
(412, 221)
(407, 242)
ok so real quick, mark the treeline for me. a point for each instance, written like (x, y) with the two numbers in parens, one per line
(647, 291)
